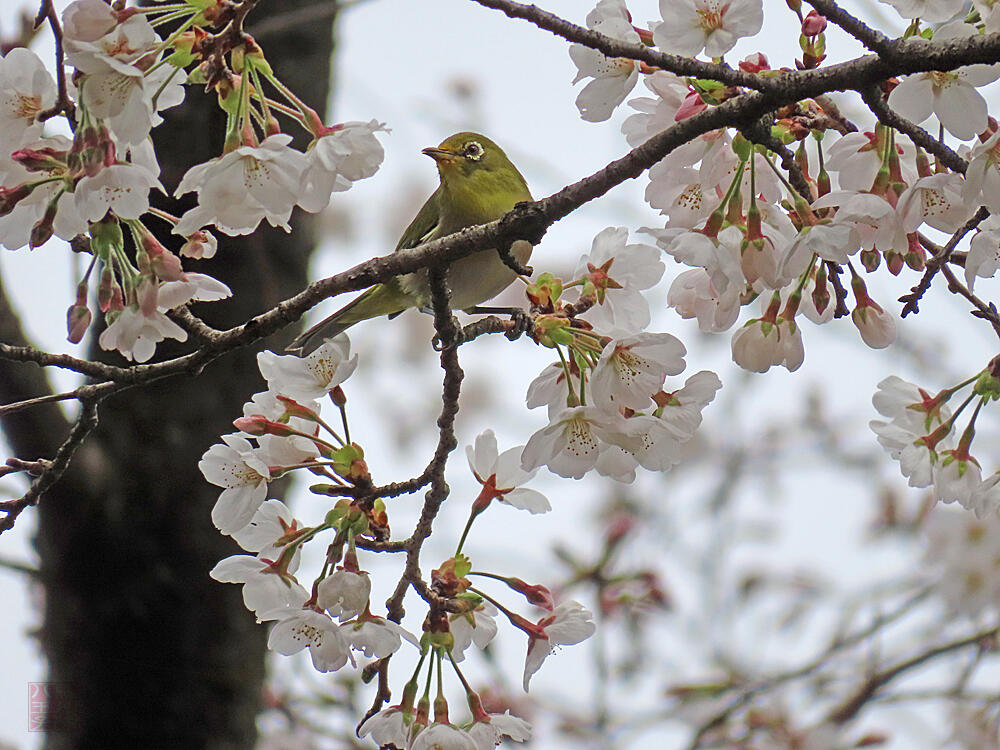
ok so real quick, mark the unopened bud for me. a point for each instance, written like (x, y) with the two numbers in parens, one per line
(813, 24)
(10, 197)
(42, 230)
(870, 259)
(338, 397)
(78, 319)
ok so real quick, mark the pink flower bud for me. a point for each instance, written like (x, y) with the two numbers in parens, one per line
(78, 319)
(165, 265)
(813, 24)
(10, 197)
(754, 63)
(146, 295)
(692, 105)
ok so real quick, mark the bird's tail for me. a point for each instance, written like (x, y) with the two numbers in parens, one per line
(381, 299)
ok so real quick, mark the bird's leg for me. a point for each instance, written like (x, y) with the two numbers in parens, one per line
(512, 263)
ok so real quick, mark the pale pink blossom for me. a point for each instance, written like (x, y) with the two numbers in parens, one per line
(933, 11)
(631, 369)
(344, 593)
(569, 624)
(713, 26)
(235, 466)
(239, 190)
(656, 114)
(757, 346)
(312, 377)
(120, 188)
(951, 95)
(692, 295)
(307, 628)
(572, 442)
(375, 636)
(26, 88)
(983, 259)
(935, 200)
(267, 592)
(502, 476)
(390, 726)
(439, 736)
(476, 626)
(135, 333)
(618, 273)
(613, 78)
(345, 154)
(271, 522)
(876, 326)
(488, 731)
(982, 178)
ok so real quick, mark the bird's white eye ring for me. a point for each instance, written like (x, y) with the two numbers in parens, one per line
(473, 151)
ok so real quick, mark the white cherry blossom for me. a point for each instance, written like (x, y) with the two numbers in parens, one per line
(757, 346)
(502, 476)
(307, 628)
(488, 731)
(657, 113)
(983, 259)
(951, 95)
(239, 190)
(569, 624)
(574, 439)
(235, 466)
(982, 178)
(613, 78)
(477, 626)
(266, 592)
(376, 636)
(933, 11)
(691, 26)
(692, 295)
(26, 88)
(344, 593)
(347, 153)
(440, 736)
(121, 188)
(619, 272)
(312, 377)
(630, 370)
(390, 726)
(935, 200)
(135, 333)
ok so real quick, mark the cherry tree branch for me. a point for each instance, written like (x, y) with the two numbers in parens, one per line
(874, 40)
(873, 97)
(853, 705)
(52, 470)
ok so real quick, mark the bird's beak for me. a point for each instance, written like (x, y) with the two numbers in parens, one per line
(440, 155)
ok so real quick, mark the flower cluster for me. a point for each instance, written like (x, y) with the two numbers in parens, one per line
(920, 434)
(747, 231)
(282, 430)
(607, 406)
(96, 185)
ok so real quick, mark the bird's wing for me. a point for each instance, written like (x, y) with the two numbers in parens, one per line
(423, 224)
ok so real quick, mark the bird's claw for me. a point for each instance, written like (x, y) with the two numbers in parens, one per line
(523, 324)
(458, 337)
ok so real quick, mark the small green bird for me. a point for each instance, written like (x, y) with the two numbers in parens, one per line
(478, 185)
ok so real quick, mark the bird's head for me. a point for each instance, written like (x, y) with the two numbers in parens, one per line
(468, 154)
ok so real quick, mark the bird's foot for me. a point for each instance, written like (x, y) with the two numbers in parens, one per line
(523, 323)
(513, 263)
(457, 337)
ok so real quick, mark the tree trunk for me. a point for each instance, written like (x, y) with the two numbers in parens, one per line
(144, 649)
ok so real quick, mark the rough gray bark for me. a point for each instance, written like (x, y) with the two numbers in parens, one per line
(144, 649)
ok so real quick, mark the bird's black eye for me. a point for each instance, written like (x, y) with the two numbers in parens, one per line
(473, 151)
